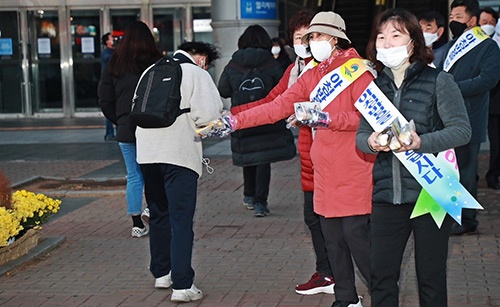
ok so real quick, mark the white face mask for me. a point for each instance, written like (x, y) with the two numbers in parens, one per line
(430, 38)
(393, 57)
(275, 50)
(489, 29)
(302, 51)
(321, 50)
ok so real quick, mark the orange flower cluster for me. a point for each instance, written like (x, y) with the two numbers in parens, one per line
(5, 192)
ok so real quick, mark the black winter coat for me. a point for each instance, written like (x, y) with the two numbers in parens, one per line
(416, 100)
(115, 99)
(476, 73)
(432, 99)
(263, 144)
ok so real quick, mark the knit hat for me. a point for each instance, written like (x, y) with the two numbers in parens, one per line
(327, 23)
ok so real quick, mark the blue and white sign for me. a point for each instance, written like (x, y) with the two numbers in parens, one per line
(257, 9)
(5, 46)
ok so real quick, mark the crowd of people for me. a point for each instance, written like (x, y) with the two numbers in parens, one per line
(358, 194)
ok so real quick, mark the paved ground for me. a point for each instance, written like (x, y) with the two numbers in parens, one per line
(239, 260)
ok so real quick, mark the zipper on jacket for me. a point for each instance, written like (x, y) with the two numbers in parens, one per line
(148, 90)
(396, 171)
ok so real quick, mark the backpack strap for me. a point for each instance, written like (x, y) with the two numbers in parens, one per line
(181, 58)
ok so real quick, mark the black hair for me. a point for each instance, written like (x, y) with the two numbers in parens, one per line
(433, 16)
(201, 48)
(135, 52)
(489, 10)
(343, 43)
(471, 6)
(405, 22)
(255, 36)
(300, 20)
(104, 38)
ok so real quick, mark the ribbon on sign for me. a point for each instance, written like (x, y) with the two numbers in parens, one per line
(438, 179)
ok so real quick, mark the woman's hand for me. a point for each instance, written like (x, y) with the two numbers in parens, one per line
(414, 145)
(376, 147)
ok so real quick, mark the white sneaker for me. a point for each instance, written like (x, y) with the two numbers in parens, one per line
(358, 304)
(145, 216)
(163, 282)
(139, 232)
(186, 295)
(342, 303)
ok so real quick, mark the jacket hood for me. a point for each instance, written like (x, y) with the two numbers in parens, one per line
(252, 57)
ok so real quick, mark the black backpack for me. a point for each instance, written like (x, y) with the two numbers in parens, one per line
(252, 86)
(157, 96)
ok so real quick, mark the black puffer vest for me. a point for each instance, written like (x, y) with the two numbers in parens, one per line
(415, 99)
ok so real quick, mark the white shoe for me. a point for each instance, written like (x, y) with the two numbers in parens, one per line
(164, 282)
(145, 216)
(358, 304)
(341, 303)
(139, 232)
(186, 295)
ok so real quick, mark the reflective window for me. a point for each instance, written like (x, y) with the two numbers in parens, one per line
(168, 28)
(45, 61)
(10, 64)
(85, 41)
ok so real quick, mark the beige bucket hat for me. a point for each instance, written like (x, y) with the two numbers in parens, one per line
(327, 23)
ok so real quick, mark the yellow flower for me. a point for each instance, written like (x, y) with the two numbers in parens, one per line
(10, 226)
(29, 210)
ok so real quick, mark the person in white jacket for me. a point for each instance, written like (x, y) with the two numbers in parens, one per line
(171, 163)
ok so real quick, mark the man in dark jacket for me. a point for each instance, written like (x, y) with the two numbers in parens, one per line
(472, 59)
(108, 43)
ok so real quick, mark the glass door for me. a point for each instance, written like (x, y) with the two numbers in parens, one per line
(11, 77)
(168, 28)
(120, 18)
(202, 29)
(44, 57)
(85, 43)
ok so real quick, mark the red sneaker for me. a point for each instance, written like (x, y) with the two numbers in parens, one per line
(319, 283)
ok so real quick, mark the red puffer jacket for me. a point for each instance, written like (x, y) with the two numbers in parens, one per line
(342, 173)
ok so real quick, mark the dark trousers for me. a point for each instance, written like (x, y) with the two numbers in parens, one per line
(467, 159)
(347, 238)
(312, 221)
(256, 180)
(110, 129)
(390, 229)
(494, 137)
(171, 196)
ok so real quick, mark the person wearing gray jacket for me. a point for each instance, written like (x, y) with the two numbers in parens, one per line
(432, 99)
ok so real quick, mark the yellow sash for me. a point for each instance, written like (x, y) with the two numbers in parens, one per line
(465, 43)
(333, 83)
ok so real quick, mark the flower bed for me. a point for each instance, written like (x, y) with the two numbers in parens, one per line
(22, 214)
(27, 211)
(20, 247)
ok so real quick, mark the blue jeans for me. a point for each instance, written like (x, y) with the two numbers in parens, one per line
(135, 183)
